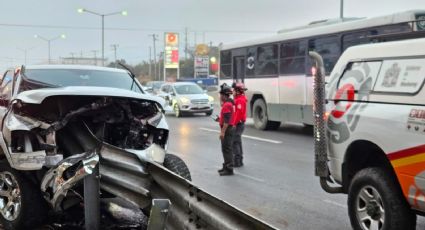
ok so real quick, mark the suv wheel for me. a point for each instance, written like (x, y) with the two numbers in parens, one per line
(21, 204)
(177, 165)
(375, 201)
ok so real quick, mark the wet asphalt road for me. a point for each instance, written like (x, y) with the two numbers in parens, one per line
(277, 183)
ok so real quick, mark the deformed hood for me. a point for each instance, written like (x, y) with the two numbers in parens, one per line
(37, 96)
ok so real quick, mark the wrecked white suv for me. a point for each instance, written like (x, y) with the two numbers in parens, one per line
(59, 122)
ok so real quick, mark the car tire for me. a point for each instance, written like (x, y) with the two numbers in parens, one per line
(261, 120)
(31, 209)
(177, 165)
(373, 190)
(177, 111)
(209, 113)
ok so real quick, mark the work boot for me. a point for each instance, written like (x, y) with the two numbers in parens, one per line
(238, 163)
(222, 169)
(226, 172)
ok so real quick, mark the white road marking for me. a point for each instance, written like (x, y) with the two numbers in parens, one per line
(335, 203)
(246, 136)
(249, 177)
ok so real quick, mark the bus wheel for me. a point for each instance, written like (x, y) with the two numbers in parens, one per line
(261, 120)
(375, 201)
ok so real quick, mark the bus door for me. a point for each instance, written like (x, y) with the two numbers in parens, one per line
(239, 69)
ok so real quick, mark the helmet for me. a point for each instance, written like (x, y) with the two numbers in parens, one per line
(239, 87)
(225, 89)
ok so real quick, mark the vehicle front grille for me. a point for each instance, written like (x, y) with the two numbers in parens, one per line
(199, 101)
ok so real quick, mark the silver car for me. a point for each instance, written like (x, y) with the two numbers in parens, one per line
(187, 98)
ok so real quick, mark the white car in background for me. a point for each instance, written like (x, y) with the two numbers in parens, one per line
(187, 98)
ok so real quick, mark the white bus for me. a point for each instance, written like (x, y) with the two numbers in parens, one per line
(276, 70)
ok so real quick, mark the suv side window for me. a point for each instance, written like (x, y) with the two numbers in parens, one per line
(404, 76)
(165, 88)
(360, 77)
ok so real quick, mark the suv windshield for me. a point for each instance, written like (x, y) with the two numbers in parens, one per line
(79, 77)
(188, 89)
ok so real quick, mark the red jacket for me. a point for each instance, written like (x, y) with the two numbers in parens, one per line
(240, 109)
(227, 110)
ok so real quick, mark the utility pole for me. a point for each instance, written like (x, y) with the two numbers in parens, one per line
(159, 66)
(203, 37)
(95, 56)
(73, 59)
(195, 36)
(185, 44)
(115, 47)
(154, 39)
(150, 61)
(341, 10)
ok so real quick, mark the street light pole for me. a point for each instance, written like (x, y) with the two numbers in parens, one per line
(103, 40)
(124, 13)
(49, 42)
(25, 53)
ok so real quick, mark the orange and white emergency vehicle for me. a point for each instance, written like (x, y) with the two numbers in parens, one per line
(370, 132)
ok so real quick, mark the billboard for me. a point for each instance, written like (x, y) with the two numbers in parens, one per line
(201, 66)
(171, 52)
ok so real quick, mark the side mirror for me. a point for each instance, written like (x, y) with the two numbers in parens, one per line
(173, 94)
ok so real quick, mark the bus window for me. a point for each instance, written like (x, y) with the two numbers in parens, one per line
(355, 38)
(226, 64)
(292, 57)
(329, 48)
(239, 68)
(267, 58)
(250, 61)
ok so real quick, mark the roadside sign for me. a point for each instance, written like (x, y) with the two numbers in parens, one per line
(201, 66)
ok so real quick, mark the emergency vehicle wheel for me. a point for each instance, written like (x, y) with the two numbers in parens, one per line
(261, 120)
(177, 165)
(375, 201)
(21, 204)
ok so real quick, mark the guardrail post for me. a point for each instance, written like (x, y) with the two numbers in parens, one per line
(159, 213)
(92, 200)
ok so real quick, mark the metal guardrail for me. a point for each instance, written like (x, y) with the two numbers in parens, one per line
(194, 208)
(125, 175)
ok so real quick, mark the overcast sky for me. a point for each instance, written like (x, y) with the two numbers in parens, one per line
(222, 21)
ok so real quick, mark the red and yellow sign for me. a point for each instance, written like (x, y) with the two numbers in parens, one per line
(171, 60)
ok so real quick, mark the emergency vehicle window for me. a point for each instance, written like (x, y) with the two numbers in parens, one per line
(401, 76)
(360, 76)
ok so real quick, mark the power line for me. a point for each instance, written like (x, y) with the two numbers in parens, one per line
(131, 29)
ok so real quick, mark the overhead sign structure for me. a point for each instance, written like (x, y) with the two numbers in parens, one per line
(171, 55)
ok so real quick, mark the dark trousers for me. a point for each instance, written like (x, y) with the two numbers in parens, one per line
(237, 143)
(227, 148)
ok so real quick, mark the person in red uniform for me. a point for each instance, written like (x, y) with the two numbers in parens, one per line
(226, 121)
(239, 121)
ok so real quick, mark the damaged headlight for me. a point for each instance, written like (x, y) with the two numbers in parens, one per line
(155, 120)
